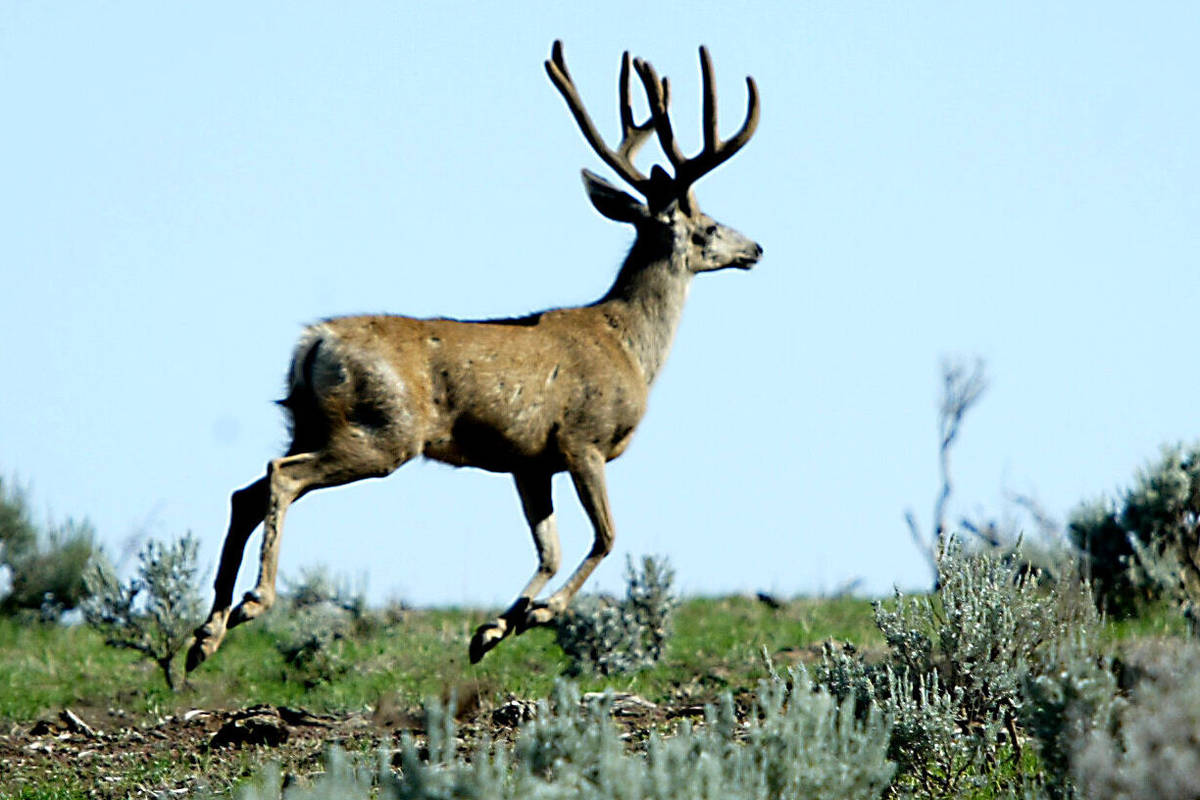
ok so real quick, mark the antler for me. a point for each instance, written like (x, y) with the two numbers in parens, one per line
(659, 188)
(633, 135)
(714, 152)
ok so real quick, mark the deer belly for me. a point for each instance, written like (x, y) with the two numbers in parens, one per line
(475, 441)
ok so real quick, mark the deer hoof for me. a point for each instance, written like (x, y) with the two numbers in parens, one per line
(204, 643)
(251, 607)
(487, 636)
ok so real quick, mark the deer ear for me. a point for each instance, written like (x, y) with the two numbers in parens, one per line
(611, 201)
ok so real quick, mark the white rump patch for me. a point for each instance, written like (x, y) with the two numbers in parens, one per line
(327, 371)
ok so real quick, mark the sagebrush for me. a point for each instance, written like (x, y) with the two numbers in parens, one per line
(800, 743)
(44, 566)
(1143, 546)
(312, 623)
(155, 611)
(605, 635)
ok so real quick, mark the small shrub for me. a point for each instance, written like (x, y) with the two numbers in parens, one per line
(1074, 694)
(604, 635)
(18, 535)
(45, 569)
(310, 639)
(162, 622)
(1144, 547)
(311, 624)
(978, 631)
(1153, 750)
(316, 587)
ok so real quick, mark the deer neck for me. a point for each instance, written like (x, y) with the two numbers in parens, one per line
(649, 292)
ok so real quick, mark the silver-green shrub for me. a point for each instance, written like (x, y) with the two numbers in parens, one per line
(802, 743)
(958, 658)
(311, 640)
(43, 567)
(1153, 749)
(1143, 547)
(993, 649)
(311, 624)
(156, 611)
(316, 586)
(1073, 694)
(601, 634)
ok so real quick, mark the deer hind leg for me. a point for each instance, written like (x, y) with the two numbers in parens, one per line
(587, 473)
(249, 506)
(290, 478)
(534, 490)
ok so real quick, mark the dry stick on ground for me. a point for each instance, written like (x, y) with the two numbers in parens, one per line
(961, 389)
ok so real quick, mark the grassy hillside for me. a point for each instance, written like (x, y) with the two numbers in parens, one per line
(146, 741)
(717, 643)
(395, 661)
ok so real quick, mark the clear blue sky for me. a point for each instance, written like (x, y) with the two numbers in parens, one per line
(182, 189)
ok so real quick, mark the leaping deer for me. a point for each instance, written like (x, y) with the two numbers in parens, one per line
(559, 390)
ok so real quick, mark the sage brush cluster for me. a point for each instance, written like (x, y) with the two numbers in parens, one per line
(311, 641)
(1153, 747)
(997, 686)
(969, 666)
(156, 611)
(316, 587)
(801, 743)
(1144, 546)
(42, 568)
(312, 624)
(603, 635)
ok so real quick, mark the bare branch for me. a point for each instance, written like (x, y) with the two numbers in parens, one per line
(961, 389)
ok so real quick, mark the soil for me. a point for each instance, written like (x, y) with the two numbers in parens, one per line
(109, 754)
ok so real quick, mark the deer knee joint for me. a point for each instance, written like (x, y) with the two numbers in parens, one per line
(603, 545)
(549, 564)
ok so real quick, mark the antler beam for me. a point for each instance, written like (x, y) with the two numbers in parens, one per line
(633, 135)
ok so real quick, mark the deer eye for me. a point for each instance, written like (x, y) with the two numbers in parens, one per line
(699, 238)
(710, 230)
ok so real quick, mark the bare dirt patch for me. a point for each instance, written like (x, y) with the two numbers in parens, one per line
(109, 754)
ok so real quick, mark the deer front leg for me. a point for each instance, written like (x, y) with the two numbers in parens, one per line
(249, 506)
(587, 473)
(534, 490)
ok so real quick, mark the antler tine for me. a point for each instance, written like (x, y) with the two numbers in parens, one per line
(715, 151)
(633, 135)
(620, 160)
(657, 94)
(710, 100)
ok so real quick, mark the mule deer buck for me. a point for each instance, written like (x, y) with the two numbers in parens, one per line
(558, 390)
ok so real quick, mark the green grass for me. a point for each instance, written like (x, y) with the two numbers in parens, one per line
(47, 667)
(1157, 621)
(717, 644)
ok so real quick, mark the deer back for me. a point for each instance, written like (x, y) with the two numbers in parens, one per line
(494, 394)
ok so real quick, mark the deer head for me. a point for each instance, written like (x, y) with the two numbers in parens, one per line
(669, 214)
